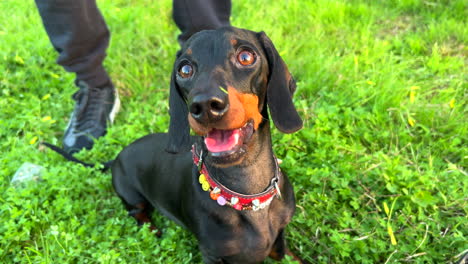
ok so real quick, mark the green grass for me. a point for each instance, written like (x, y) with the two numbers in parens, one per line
(382, 88)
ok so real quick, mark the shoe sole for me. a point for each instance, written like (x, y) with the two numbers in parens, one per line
(115, 107)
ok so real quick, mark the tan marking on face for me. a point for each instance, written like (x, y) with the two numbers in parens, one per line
(189, 51)
(233, 42)
(242, 108)
(248, 103)
(197, 127)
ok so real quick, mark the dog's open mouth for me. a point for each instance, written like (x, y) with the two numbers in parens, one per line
(222, 143)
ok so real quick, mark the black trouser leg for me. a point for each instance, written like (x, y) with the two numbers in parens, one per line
(79, 33)
(192, 16)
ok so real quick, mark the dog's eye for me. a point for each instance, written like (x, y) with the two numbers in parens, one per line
(185, 71)
(246, 58)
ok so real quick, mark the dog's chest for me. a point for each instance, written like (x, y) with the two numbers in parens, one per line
(245, 237)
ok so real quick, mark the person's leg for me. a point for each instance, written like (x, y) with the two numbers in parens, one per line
(78, 32)
(192, 16)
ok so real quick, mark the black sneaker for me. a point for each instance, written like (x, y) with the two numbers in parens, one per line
(94, 108)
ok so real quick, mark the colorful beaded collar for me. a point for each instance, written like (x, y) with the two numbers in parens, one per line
(224, 196)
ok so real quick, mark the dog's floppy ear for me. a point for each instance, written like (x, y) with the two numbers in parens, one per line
(281, 87)
(179, 129)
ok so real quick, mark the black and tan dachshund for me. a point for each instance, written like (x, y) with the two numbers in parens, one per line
(224, 185)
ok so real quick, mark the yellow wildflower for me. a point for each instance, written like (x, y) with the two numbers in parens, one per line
(412, 96)
(411, 121)
(385, 206)
(452, 103)
(18, 59)
(33, 140)
(413, 93)
(55, 76)
(390, 233)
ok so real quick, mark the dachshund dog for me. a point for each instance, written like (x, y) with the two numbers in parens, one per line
(223, 185)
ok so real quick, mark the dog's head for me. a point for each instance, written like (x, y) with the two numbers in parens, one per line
(221, 84)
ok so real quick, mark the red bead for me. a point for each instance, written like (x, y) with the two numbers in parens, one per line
(237, 206)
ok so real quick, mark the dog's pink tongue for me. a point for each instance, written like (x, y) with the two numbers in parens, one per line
(222, 140)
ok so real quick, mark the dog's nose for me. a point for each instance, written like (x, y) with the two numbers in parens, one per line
(206, 108)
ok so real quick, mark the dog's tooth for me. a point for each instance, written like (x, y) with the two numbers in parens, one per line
(234, 200)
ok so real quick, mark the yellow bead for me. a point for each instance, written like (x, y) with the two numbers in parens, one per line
(205, 186)
(202, 178)
(204, 181)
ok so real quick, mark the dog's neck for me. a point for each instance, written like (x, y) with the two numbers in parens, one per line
(257, 169)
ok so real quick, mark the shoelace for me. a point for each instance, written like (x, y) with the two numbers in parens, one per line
(90, 100)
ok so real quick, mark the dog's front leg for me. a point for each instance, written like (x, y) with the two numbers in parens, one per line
(280, 249)
(209, 259)
(142, 214)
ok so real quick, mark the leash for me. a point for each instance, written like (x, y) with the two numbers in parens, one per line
(106, 165)
(224, 196)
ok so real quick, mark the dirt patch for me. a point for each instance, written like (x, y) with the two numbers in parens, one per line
(396, 27)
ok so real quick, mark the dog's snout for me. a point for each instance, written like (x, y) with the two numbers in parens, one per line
(206, 108)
